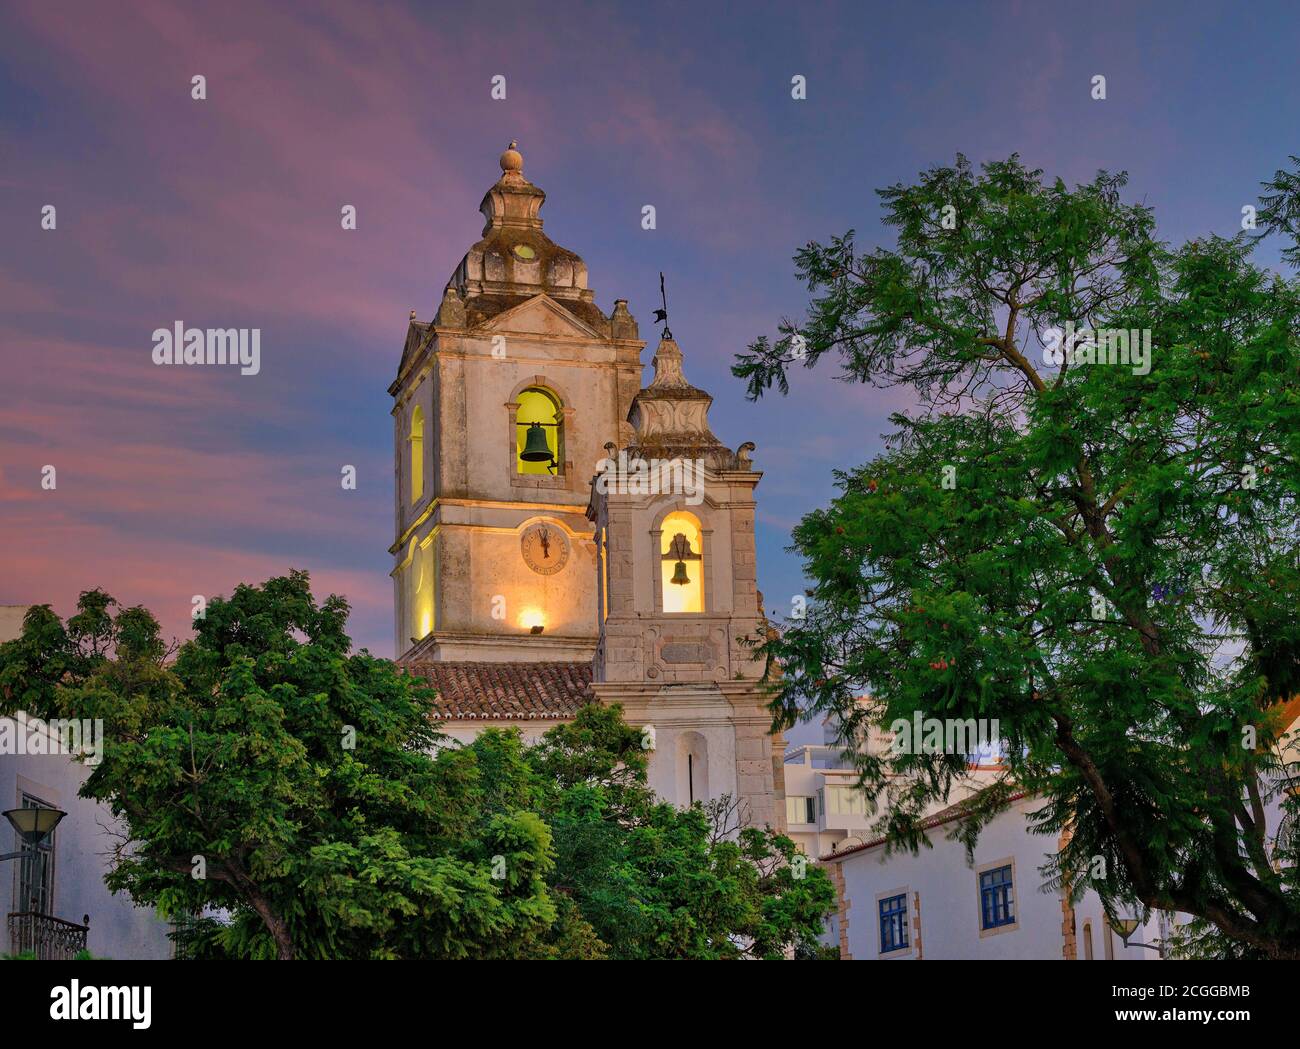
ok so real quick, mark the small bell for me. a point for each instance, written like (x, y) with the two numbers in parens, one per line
(536, 449)
(680, 578)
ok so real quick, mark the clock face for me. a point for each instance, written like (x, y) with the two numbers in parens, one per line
(545, 548)
(525, 252)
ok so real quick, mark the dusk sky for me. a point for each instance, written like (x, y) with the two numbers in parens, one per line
(173, 482)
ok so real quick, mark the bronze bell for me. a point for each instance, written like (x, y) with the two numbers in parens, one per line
(536, 450)
(680, 578)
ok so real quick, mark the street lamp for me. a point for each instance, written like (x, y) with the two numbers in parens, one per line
(1127, 925)
(32, 824)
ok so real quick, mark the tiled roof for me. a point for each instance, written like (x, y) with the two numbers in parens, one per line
(511, 691)
(938, 819)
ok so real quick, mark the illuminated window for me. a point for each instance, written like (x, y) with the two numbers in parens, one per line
(682, 563)
(604, 573)
(538, 421)
(424, 573)
(417, 454)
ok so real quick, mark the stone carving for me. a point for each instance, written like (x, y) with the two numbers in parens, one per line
(451, 314)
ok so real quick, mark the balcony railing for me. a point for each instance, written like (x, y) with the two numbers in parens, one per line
(47, 937)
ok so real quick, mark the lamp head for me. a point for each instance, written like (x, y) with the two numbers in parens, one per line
(1126, 927)
(34, 824)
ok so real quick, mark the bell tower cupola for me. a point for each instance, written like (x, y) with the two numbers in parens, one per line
(673, 514)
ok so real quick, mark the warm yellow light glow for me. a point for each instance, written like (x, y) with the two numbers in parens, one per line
(531, 617)
(422, 567)
(417, 454)
(536, 406)
(604, 573)
(688, 598)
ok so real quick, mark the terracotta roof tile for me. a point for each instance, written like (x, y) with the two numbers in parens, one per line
(511, 691)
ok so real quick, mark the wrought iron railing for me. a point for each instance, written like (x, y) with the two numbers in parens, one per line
(47, 937)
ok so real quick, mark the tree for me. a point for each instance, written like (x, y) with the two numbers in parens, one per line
(1100, 556)
(655, 881)
(267, 772)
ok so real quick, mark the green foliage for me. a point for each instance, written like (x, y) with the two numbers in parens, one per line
(234, 760)
(327, 818)
(1280, 208)
(655, 881)
(30, 956)
(1169, 495)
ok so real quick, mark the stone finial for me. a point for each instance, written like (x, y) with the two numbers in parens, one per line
(668, 365)
(513, 200)
(670, 411)
(622, 324)
(451, 314)
(413, 315)
(512, 159)
(742, 455)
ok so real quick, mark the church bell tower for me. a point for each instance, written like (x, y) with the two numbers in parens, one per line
(673, 512)
(501, 407)
(524, 589)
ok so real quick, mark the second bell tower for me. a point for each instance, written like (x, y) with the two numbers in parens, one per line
(673, 512)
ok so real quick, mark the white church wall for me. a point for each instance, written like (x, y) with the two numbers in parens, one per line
(667, 773)
(465, 732)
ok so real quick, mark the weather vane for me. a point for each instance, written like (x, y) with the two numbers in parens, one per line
(661, 316)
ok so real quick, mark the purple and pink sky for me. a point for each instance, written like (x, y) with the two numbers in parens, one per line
(225, 213)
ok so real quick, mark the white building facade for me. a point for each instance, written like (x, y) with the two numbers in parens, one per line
(937, 904)
(58, 902)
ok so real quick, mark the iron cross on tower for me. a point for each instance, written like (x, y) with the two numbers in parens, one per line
(661, 316)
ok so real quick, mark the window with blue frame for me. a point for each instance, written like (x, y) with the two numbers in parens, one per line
(893, 923)
(997, 899)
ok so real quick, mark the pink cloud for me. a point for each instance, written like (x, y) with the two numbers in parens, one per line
(163, 572)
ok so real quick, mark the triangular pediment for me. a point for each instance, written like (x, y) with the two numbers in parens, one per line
(542, 315)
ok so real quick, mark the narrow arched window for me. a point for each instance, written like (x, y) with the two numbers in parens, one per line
(422, 567)
(1087, 941)
(417, 454)
(539, 434)
(692, 769)
(681, 567)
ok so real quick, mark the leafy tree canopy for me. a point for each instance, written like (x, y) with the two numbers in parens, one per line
(265, 771)
(1098, 552)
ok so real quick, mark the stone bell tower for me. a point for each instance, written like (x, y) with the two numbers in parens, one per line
(502, 404)
(673, 512)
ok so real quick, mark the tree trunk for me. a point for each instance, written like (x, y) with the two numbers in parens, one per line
(275, 925)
